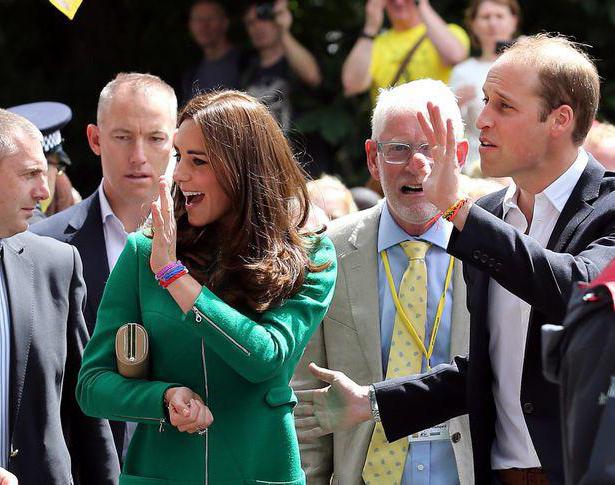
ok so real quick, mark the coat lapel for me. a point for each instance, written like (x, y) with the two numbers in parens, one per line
(577, 208)
(19, 276)
(362, 277)
(89, 240)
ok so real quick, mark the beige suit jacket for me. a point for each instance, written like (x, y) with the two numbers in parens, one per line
(349, 341)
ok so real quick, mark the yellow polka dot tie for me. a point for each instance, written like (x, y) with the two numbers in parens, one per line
(385, 461)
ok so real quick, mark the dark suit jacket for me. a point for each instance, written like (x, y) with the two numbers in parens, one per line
(581, 245)
(81, 226)
(48, 432)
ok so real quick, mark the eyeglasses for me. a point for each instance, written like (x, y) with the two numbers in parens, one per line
(397, 153)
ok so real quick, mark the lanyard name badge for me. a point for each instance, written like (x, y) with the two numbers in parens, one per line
(440, 431)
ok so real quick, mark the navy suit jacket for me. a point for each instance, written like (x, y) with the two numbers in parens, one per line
(81, 226)
(581, 245)
(51, 440)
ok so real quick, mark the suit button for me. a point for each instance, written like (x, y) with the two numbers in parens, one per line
(491, 263)
(484, 258)
(456, 437)
(528, 408)
(476, 255)
(497, 267)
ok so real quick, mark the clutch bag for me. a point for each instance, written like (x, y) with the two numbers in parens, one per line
(132, 351)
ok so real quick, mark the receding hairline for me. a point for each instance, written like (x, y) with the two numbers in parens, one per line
(134, 83)
(542, 49)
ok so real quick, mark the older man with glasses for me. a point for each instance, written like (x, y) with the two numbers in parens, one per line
(399, 305)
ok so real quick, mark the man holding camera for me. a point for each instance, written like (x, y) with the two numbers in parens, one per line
(419, 45)
(280, 59)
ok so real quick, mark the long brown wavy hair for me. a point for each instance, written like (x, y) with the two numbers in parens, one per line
(262, 257)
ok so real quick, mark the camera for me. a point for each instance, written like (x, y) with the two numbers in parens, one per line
(264, 11)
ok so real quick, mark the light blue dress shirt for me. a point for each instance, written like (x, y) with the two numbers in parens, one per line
(5, 375)
(428, 463)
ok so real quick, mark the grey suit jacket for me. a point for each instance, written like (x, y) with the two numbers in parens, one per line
(52, 441)
(349, 341)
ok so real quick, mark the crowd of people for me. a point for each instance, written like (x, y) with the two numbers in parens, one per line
(208, 315)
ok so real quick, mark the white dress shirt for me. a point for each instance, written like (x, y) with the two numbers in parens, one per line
(115, 240)
(508, 320)
(115, 234)
(5, 374)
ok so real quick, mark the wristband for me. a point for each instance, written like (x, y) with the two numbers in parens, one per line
(170, 273)
(450, 213)
(161, 273)
(365, 35)
(165, 283)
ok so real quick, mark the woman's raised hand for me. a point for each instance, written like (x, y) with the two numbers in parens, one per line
(164, 229)
(187, 411)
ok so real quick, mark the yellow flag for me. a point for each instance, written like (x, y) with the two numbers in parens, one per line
(67, 7)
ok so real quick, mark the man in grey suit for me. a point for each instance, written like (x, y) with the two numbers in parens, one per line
(44, 437)
(357, 334)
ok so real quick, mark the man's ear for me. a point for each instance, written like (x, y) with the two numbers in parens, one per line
(93, 134)
(562, 121)
(463, 147)
(371, 152)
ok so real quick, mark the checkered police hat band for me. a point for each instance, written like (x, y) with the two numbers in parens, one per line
(51, 140)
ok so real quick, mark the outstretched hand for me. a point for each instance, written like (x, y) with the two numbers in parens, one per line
(441, 184)
(164, 229)
(340, 406)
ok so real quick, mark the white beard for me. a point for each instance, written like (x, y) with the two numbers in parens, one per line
(416, 214)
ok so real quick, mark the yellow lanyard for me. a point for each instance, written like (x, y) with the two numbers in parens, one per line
(436, 323)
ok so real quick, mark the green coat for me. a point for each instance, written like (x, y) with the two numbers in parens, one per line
(240, 366)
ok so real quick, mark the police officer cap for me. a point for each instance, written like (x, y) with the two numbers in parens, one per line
(49, 117)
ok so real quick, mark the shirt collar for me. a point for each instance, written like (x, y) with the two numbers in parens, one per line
(390, 234)
(105, 208)
(558, 192)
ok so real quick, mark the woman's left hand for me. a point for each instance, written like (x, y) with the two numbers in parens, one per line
(164, 229)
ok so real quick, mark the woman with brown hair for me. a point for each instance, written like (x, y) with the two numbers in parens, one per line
(492, 25)
(230, 287)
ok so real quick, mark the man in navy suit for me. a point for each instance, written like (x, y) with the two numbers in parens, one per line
(522, 248)
(133, 136)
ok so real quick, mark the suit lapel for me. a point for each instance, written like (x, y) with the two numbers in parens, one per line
(577, 208)
(89, 239)
(362, 266)
(19, 275)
